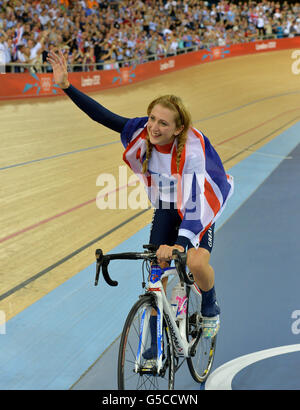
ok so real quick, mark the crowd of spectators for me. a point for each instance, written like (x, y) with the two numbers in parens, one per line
(112, 33)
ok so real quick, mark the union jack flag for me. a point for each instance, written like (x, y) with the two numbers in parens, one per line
(203, 186)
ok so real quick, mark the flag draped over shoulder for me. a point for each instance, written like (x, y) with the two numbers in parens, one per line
(203, 187)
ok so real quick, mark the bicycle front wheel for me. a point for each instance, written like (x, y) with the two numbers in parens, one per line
(200, 364)
(134, 372)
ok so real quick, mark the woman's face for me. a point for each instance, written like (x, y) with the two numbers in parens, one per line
(161, 125)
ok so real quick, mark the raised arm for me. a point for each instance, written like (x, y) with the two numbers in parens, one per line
(91, 107)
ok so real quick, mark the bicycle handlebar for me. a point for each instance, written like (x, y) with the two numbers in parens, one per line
(102, 261)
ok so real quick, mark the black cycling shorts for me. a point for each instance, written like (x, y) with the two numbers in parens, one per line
(165, 226)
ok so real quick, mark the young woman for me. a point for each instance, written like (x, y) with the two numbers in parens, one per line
(183, 176)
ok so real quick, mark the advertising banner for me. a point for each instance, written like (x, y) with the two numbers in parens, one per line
(24, 85)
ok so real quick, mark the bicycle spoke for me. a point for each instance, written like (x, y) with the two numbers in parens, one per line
(200, 364)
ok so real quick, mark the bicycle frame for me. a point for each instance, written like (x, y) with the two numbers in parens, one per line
(178, 333)
(182, 347)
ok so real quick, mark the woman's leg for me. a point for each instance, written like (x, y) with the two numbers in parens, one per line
(204, 275)
(164, 231)
(198, 264)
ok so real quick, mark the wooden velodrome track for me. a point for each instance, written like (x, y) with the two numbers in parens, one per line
(52, 153)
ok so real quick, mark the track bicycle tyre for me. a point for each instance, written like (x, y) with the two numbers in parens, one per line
(199, 365)
(128, 378)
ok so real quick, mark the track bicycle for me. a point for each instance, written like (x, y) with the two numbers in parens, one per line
(177, 340)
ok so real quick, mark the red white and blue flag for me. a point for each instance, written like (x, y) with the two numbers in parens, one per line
(203, 187)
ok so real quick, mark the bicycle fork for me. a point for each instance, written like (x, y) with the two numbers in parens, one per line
(178, 337)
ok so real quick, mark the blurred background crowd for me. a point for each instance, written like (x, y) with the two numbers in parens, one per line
(110, 34)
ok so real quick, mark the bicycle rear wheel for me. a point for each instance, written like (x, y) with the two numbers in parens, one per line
(133, 376)
(200, 364)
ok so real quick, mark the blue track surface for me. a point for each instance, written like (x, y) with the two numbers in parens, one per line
(51, 344)
(280, 372)
(257, 259)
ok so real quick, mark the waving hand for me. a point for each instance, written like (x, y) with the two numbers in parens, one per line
(59, 66)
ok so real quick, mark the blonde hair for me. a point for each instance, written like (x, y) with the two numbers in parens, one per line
(182, 118)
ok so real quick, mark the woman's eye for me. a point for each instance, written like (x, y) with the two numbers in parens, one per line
(163, 123)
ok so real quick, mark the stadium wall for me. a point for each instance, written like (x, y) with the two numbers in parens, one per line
(32, 85)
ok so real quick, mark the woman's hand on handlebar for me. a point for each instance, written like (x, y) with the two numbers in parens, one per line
(164, 252)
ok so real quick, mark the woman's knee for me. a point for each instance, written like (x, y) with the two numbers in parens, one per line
(198, 260)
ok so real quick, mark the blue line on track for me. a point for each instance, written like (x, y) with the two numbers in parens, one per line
(58, 155)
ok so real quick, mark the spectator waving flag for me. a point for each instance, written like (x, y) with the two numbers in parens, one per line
(17, 40)
(79, 40)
